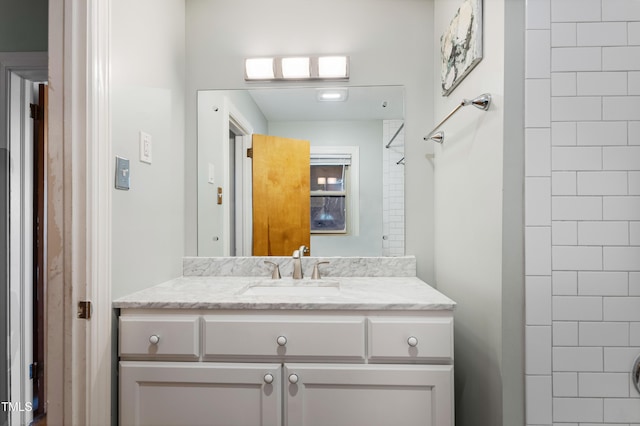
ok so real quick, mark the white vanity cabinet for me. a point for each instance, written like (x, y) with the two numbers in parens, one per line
(214, 394)
(293, 368)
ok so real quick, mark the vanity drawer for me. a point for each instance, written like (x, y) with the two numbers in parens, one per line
(411, 339)
(237, 336)
(160, 337)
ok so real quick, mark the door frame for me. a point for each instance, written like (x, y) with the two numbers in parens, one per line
(79, 357)
(18, 72)
(243, 215)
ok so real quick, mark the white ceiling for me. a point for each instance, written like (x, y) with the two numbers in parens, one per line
(301, 104)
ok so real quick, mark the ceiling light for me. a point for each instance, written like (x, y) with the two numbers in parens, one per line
(296, 68)
(332, 67)
(332, 95)
(259, 69)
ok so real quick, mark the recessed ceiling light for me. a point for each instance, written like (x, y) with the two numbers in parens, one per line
(332, 95)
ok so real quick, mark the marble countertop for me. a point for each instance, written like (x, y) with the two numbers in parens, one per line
(227, 292)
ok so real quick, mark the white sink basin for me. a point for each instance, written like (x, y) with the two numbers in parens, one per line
(290, 287)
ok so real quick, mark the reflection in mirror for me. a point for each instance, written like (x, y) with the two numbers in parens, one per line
(355, 192)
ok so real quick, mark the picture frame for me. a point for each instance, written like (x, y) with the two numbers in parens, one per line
(461, 45)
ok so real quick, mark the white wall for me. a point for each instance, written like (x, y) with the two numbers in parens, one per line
(582, 211)
(389, 42)
(147, 80)
(471, 241)
(367, 135)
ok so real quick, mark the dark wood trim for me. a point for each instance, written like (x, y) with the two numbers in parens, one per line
(39, 114)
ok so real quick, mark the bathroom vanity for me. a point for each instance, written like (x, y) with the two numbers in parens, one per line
(250, 350)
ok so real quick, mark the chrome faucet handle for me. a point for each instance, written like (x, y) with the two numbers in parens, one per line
(275, 273)
(315, 275)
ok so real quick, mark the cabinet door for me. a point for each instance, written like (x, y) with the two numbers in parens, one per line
(184, 393)
(372, 395)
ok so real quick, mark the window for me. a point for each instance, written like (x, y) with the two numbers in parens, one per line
(331, 192)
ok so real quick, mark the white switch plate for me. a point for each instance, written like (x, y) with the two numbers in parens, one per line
(145, 147)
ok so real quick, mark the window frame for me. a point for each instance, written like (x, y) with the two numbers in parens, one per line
(351, 191)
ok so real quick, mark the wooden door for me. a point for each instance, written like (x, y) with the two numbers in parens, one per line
(193, 393)
(372, 395)
(281, 195)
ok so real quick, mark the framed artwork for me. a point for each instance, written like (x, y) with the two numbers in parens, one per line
(461, 45)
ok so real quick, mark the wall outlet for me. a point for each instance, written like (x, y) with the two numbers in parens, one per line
(145, 147)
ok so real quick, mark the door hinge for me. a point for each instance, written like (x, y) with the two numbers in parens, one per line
(84, 309)
(36, 111)
(36, 370)
(249, 152)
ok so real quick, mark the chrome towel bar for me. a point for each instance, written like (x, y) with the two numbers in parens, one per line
(481, 102)
(394, 136)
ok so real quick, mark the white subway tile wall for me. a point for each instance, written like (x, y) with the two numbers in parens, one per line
(582, 206)
(392, 190)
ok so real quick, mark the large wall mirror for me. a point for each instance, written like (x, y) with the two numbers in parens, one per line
(352, 167)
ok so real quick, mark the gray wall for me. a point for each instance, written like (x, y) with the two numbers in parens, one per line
(478, 221)
(147, 71)
(23, 25)
(392, 46)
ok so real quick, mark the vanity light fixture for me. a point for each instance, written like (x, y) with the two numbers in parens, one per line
(332, 67)
(259, 69)
(296, 68)
(327, 180)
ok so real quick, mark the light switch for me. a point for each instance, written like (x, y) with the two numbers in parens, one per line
(145, 147)
(122, 173)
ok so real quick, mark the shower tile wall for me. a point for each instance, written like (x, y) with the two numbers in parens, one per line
(582, 202)
(393, 190)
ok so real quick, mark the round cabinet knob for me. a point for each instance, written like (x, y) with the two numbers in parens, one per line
(268, 378)
(293, 379)
(154, 339)
(281, 340)
(412, 341)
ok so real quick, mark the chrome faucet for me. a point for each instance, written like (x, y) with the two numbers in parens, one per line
(297, 262)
